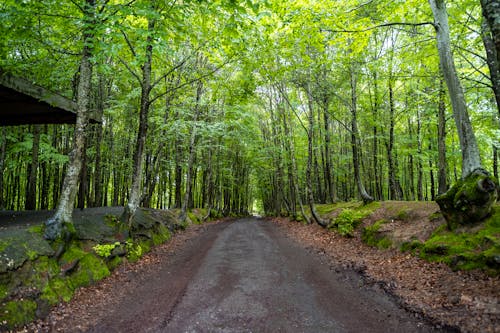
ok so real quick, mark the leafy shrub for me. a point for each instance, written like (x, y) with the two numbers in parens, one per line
(347, 221)
(104, 250)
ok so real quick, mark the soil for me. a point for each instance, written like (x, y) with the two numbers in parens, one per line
(466, 301)
(278, 275)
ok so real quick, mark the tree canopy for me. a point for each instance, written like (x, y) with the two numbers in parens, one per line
(248, 105)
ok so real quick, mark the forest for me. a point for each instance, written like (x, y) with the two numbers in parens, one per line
(251, 106)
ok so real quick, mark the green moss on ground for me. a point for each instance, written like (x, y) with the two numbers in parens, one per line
(465, 249)
(49, 280)
(371, 236)
(17, 313)
(349, 219)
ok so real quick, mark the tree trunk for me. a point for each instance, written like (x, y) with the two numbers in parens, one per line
(310, 138)
(187, 194)
(84, 184)
(491, 12)
(442, 163)
(98, 186)
(471, 199)
(396, 192)
(491, 60)
(33, 171)
(64, 211)
(355, 143)
(3, 150)
(135, 190)
(495, 162)
(471, 159)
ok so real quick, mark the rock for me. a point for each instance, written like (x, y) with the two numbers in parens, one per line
(93, 228)
(19, 245)
(470, 200)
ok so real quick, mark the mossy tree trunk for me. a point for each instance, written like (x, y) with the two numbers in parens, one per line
(64, 210)
(469, 200)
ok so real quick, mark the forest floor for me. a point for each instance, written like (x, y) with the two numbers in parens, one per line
(166, 285)
(466, 300)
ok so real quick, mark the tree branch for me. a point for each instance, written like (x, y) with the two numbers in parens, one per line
(130, 70)
(381, 26)
(167, 91)
(131, 47)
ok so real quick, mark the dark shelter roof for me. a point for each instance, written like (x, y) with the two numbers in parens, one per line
(22, 102)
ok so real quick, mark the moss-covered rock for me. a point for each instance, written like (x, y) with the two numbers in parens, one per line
(17, 313)
(466, 249)
(20, 245)
(470, 200)
(36, 274)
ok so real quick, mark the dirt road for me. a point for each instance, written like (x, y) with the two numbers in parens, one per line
(246, 276)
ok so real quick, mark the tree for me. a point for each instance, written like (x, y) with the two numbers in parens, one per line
(459, 205)
(64, 210)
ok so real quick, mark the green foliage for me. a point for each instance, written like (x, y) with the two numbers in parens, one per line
(104, 250)
(135, 250)
(467, 249)
(347, 221)
(371, 236)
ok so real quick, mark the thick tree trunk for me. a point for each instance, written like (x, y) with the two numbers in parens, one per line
(33, 171)
(355, 143)
(491, 60)
(330, 187)
(135, 190)
(64, 211)
(471, 159)
(471, 199)
(491, 12)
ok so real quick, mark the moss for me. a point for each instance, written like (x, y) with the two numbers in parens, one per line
(57, 290)
(90, 270)
(410, 246)
(435, 216)
(114, 262)
(465, 249)
(403, 215)
(349, 218)
(17, 313)
(161, 236)
(194, 219)
(4, 291)
(136, 249)
(464, 203)
(37, 229)
(370, 236)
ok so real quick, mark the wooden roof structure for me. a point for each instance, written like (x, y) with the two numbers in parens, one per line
(22, 102)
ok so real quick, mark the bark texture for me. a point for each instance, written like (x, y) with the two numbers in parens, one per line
(355, 143)
(470, 151)
(135, 190)
(64, 211)
(471, 199)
